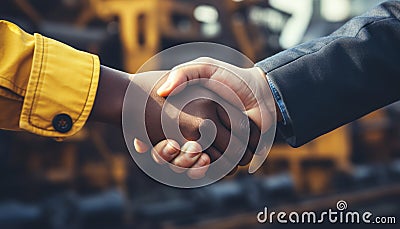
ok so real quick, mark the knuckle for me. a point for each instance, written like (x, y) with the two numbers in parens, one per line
(178, 165)
(204, 160)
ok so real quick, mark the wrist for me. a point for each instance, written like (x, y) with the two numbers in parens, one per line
(110, 95)
(143, 102)
(261, 72)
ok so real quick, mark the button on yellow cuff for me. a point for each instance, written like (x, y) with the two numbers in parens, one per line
(62, 80)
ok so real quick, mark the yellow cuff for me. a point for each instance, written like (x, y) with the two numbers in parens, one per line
(61, 89)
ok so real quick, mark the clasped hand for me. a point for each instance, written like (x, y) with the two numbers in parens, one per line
(245, 114)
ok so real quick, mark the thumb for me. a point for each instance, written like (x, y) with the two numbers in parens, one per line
(180, 76)
(175, 79)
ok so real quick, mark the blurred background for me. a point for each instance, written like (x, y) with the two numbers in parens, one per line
(90, 180)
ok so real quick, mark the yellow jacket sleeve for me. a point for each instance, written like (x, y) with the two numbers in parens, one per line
(46, 87)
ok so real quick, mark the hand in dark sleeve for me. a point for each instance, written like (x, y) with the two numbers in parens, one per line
(331, 81)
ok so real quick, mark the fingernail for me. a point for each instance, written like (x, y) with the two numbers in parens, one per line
(190, 151)
(139, 146)
(163, 87)
(169, 149)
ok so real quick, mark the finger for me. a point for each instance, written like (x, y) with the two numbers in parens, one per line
(224, 139)
(224, 163)
(265, 139)
(182, 75)
(261, 116)
(262, 151)
(241, 126)
(190, 153)
(259, 159)
(246, 159)
(165, 151)
(199, 168)
(140, 146)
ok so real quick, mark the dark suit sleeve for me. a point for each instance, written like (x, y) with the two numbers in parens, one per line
(334, 80)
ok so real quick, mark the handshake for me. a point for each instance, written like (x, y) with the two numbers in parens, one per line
(201, 112)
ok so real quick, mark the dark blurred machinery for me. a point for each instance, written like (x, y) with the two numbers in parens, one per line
(66, 210)
(226, 201)
(145, 27)
(91, 181)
